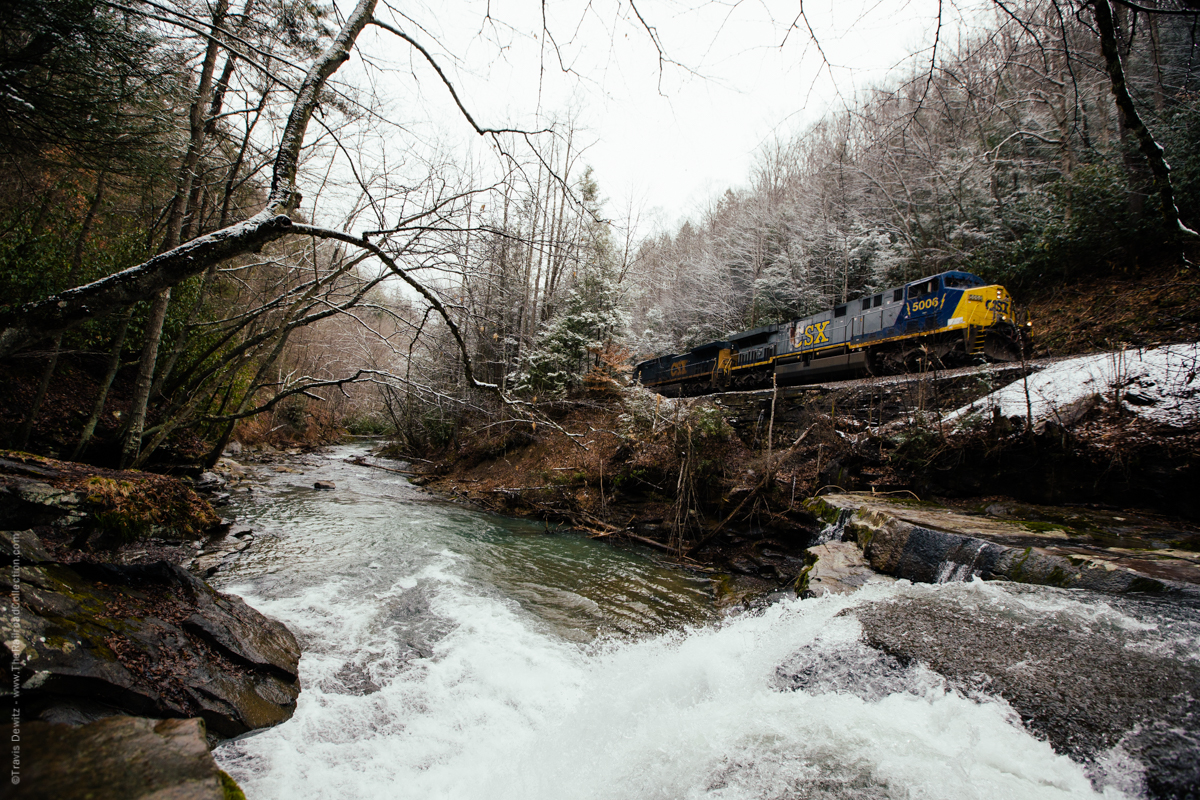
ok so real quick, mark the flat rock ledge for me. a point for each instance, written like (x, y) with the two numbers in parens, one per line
(928, 543)
(1085, 691)
(94, 640)
(121, 758)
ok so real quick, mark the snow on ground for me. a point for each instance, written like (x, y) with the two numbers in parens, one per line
(1161, 384)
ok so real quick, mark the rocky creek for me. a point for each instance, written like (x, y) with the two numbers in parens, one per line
(450, 653)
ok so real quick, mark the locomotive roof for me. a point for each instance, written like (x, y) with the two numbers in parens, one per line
(719, 345)
(767, 329)
(956, 273)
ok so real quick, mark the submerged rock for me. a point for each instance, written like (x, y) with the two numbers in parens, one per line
(324, 485)
(210, 481)
(121, 758)
(152, 640)
(219, 553)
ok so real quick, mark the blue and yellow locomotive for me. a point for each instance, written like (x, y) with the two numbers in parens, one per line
(948, 318)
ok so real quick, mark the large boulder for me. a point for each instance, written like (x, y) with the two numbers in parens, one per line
(928, 543)
(120, 758)
(150, 640)
(1086, 690)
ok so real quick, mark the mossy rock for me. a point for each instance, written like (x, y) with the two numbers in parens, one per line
(150, 640)
(122, 505)
(122, 758)
(155, 505)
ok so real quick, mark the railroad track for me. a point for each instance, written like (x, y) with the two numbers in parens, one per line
(996, 369)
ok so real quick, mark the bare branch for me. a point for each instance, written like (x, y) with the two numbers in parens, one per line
(445, 80)
(1182, 12)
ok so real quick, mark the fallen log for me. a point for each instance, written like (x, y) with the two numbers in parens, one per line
(666, 548)
(359, 461)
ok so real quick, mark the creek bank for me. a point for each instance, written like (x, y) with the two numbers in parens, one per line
(1118, 429)
(112, 627)
(720, 482)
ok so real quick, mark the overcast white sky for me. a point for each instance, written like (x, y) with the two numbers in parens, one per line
(670, 136)
(681, 146)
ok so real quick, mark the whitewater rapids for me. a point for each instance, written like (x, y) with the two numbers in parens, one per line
(450, 654)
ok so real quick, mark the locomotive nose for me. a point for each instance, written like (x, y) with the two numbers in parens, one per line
(1002, 306)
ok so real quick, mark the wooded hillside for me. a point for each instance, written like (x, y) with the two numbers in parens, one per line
(1009, 159)
(206, 230)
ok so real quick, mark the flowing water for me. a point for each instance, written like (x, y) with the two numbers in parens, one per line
(453, 654)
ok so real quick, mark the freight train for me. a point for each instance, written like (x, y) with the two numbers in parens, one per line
(942, 320)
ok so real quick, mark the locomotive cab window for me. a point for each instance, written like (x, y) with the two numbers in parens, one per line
(962, 282)
(922, 289)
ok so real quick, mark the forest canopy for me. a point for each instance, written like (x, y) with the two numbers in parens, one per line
(205, 223)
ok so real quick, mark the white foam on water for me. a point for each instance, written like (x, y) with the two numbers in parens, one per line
(437, 663)
(498, 706)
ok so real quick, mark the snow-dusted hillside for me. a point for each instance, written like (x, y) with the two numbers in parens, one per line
(1159, 384)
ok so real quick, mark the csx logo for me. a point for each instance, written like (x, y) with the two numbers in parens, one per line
(997, 305)
(678, 369)
(922, 305)
(815, 334)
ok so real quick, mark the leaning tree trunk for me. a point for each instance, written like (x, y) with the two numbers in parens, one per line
(1133, 121)
(185, 181)
(132, 446)
(21, 326)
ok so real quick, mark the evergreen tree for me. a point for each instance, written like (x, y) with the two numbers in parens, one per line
(83, 82)
(590, 317)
